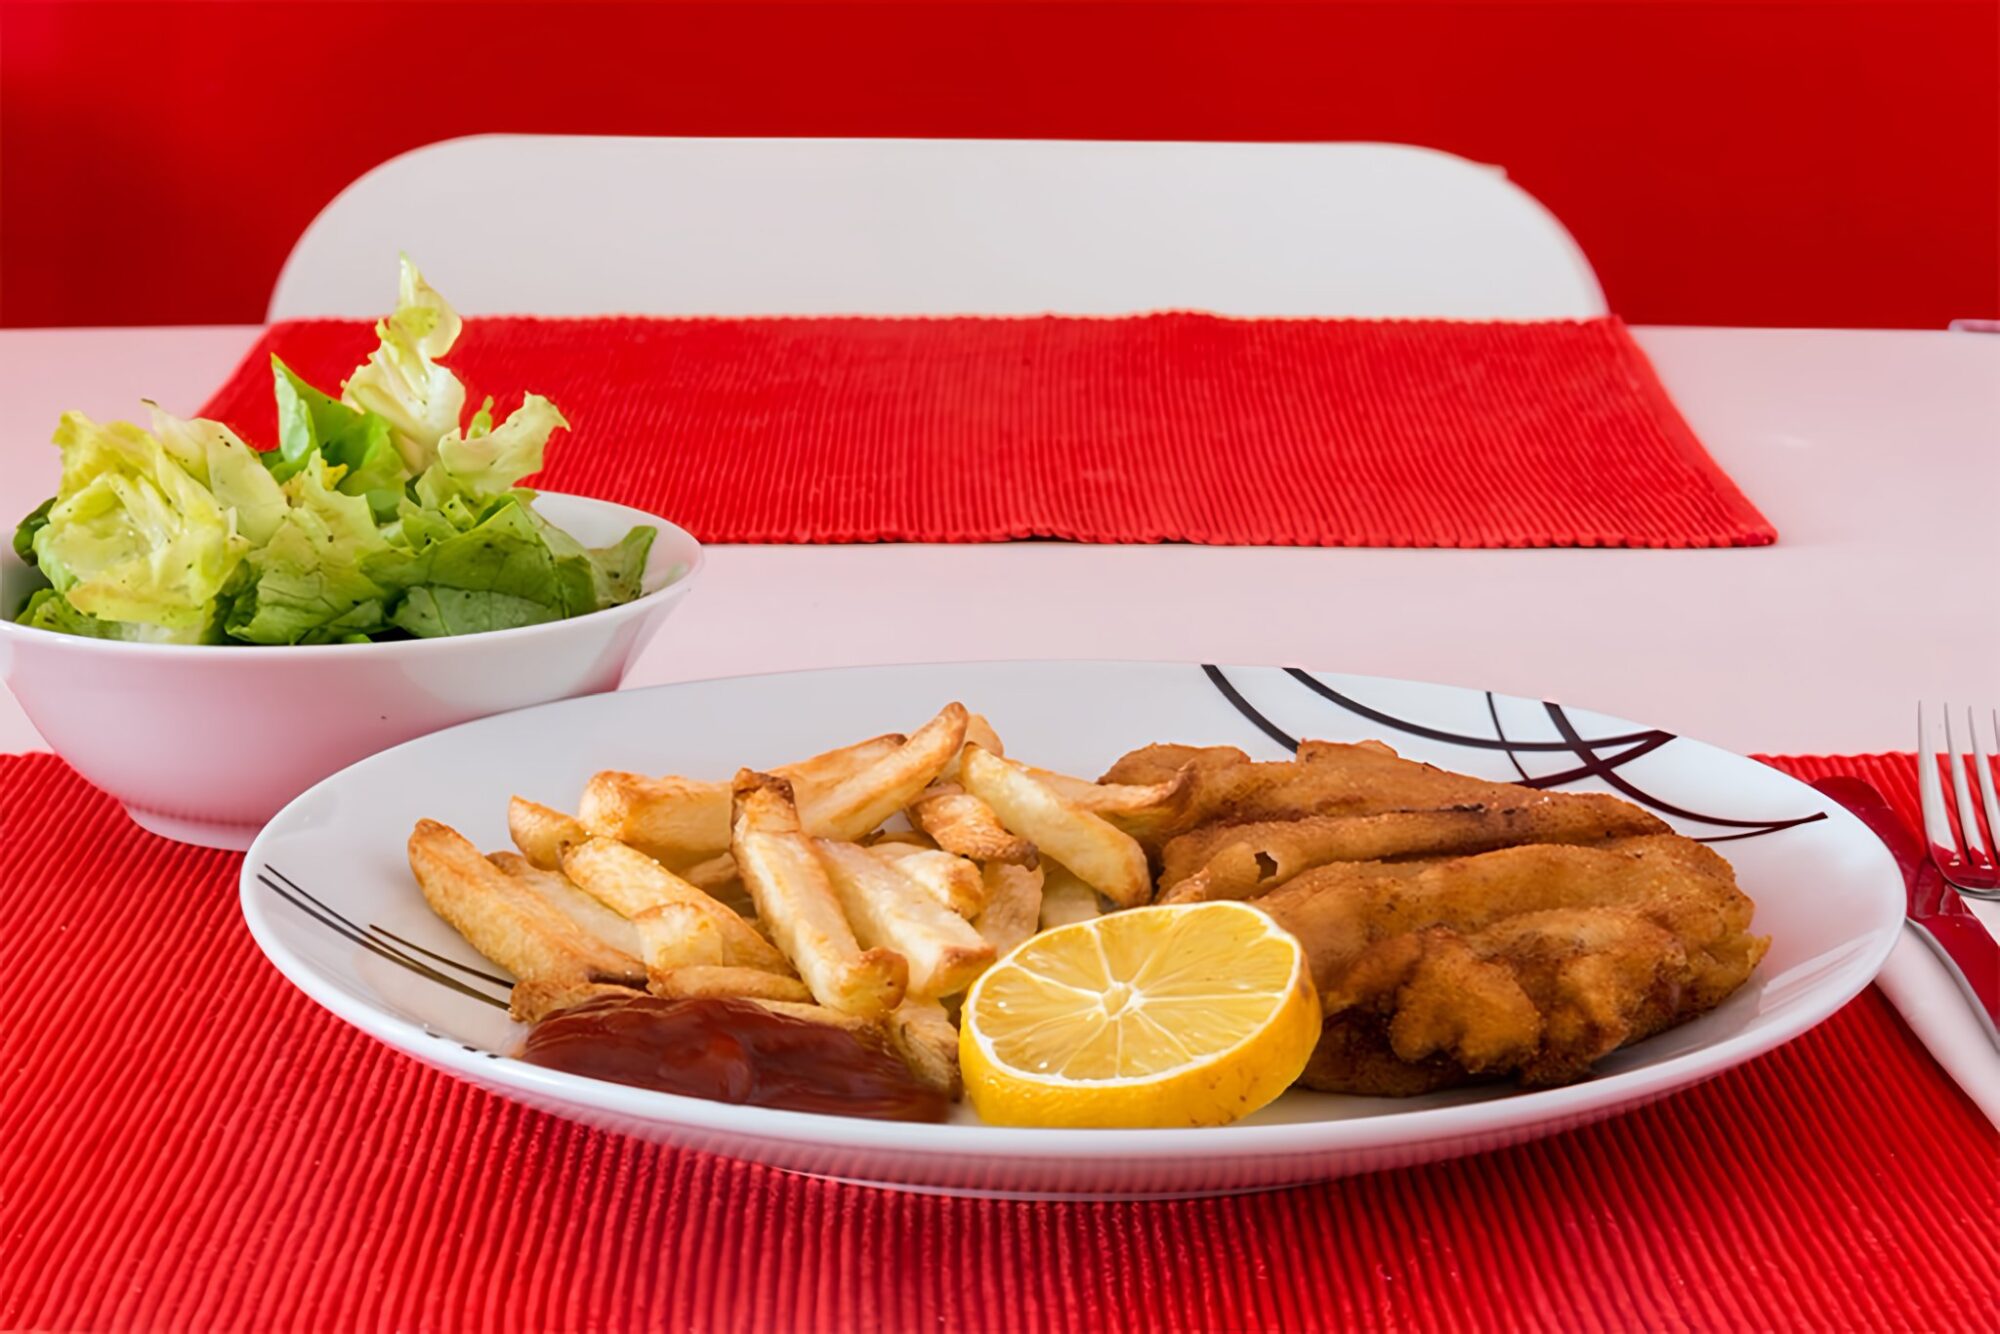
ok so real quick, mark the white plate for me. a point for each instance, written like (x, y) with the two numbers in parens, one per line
(1826, 891)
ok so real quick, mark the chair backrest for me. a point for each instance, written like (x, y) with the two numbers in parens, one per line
(558, 225)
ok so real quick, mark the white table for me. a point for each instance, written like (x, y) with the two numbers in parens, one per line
(1877, 455)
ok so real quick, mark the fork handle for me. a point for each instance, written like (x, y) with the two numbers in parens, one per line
(1971, 955)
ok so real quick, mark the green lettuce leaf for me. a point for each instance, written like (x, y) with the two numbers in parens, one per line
(357, 625)
(617, 572)
(47, 609)
(402, 382)
(50, 610)
(378, 514)
(24, 532)
(486, 465)
(499, 575)
(233, 472)
(132, 536)
(310, 423)
(418, 525)
(310, 585)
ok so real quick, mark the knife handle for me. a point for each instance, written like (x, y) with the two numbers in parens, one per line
(1965, 947)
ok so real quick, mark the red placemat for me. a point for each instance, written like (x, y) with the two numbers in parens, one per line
(192, 1144)
(1173, 427)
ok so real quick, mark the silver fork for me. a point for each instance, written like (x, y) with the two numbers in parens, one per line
(1966, 858)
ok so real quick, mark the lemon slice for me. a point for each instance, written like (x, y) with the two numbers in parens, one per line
(1175, 1015)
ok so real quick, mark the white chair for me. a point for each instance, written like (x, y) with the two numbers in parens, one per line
(557, 225)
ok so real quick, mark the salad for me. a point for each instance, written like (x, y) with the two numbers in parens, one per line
(381, 514)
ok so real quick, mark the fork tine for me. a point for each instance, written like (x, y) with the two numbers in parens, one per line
(1970, 840)
(1984, 764)
(1937, 823)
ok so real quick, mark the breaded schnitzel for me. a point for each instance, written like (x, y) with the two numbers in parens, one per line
(1242, 861)
(1532, 961)
(1458, 929)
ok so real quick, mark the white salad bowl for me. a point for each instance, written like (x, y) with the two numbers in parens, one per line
(204, 743)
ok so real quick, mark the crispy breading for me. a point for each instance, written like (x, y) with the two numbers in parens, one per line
(1533, 961)
(1542, 996)
(1243, 861)
(1337, 911)
(1223, 786)
(1159, 762)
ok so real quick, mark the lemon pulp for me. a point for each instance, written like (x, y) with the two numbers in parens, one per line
(1187, 1014)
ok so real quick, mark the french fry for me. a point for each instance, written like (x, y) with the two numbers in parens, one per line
(952, 881)
(1139, 809)
(535, 1001)
(797, 904)
(630, 883)
(1103, 856)
(713, 874)
(909, 838)
(682, 821)
(864, 799)
(674, 820)
(743, 983)
(923, 1035)
(887, 909)
(820, 1014)
(835, 767)
(598, 922)
(532, 1002)
(717, 878)
(980, 733)
(505, 919)
(1013, 905)
(1065, 898)
(541, 833)
(680, 935)
(963, 824)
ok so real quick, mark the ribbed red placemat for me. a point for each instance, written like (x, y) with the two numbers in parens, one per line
(1173, 427)
(192, 1144)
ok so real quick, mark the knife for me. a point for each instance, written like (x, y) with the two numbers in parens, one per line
(1960, 940)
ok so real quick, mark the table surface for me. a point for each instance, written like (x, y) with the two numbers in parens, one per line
(1876, 454)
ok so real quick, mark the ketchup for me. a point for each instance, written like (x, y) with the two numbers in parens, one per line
(731, 1051)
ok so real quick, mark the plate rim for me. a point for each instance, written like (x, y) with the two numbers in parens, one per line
(1554, 1107)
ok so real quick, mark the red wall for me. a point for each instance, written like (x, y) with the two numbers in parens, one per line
(1780, 163)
